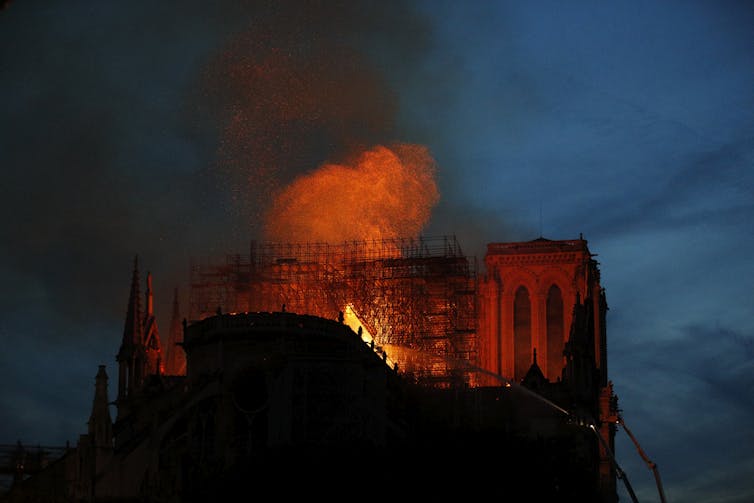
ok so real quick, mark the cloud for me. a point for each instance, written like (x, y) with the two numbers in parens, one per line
(704, 379)
(710, 188)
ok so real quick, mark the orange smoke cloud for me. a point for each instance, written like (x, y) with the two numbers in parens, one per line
(282, 109)
(388, 192)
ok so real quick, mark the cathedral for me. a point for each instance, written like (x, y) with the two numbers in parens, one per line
(402, 369)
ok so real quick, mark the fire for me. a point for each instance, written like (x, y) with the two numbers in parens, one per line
(358, 325)
(386, 193)
(354, 321)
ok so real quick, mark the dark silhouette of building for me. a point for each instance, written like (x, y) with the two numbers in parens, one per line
(493, 383)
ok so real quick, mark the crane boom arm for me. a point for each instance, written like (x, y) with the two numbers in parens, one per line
(652, 465)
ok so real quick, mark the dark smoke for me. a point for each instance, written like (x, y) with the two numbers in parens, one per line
(297, 89)
(164, 130)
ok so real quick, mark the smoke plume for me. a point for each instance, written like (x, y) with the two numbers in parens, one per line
(298, 88)
(385, 193)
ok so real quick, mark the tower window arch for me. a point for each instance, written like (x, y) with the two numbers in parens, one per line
(555, 332)
(521, 333)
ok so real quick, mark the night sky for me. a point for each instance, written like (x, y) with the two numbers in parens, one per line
(162, 129)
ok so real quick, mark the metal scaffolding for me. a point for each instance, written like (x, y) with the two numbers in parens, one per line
(416, 295)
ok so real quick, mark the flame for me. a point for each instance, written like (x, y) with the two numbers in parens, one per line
(354, 321)
(357, 324)
(387, 193)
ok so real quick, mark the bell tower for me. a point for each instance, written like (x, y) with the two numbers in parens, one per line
(542, 301)
(527, 300)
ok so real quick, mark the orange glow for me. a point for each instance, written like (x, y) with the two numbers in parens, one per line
(354, 321)
(390, 352)
(385, 193)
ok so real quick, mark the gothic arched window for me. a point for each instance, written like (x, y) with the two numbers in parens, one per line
(521, 333)
(555, 329)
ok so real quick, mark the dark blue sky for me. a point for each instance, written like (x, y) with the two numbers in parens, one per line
(629, 122)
